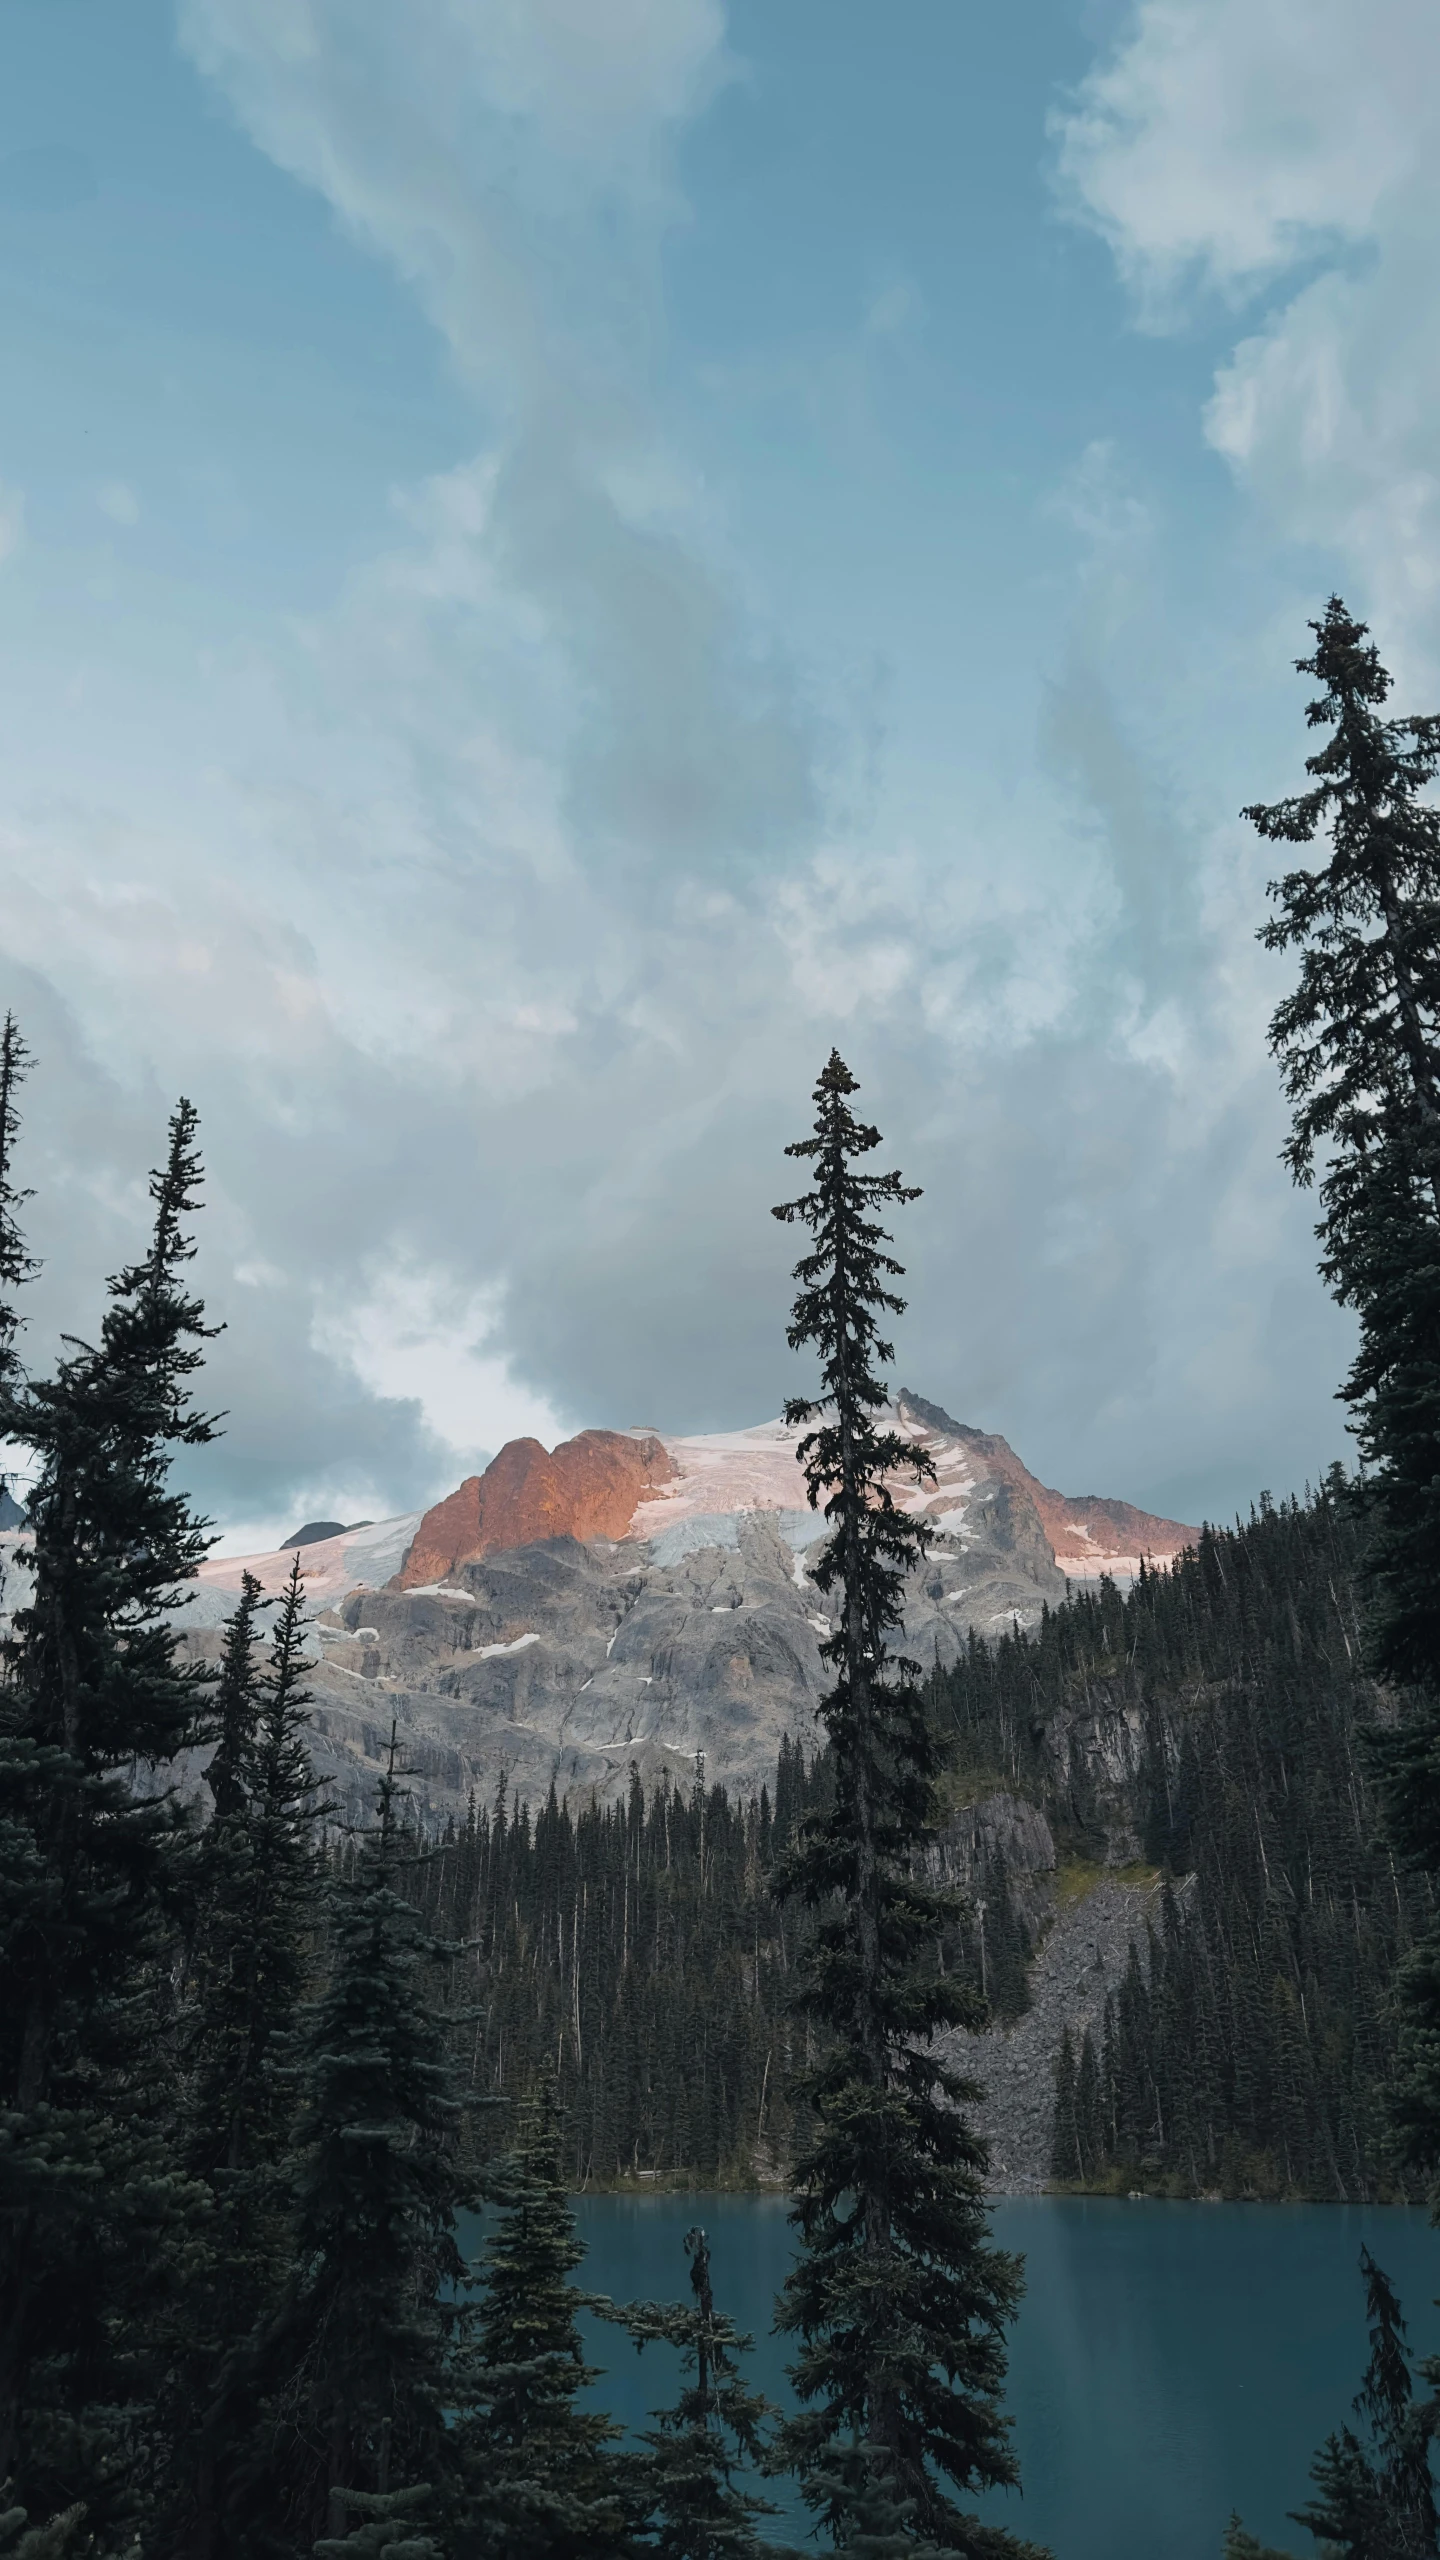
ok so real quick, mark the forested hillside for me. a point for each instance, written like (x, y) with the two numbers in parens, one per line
(636, 1951)
(1213, 1722)
(1209, 1725)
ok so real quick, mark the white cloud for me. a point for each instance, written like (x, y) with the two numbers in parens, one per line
(414, 1334)
(1222, 139)
(495, 919)
(1242, 144)
(471, 141)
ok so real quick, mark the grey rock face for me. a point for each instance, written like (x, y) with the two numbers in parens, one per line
(1081, 1960)
(564, 1664)
(1018, 1829)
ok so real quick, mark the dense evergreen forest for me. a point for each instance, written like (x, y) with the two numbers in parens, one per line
(636, 1951)
(1222, 1709)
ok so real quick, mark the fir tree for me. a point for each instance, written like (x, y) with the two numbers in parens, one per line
(1359, 1045)
(1240, 2545)
(1065, 2161)
(258, 1916)
(20, 2540)
(97, 2216)
(543, 2480)
(16, 1265)
(697, 2511)
(354, 2373)
(897, 2298)
(858, 2485)
(235, 1711)
(1375, 2494)
(1375, 2491)
(259, 1890)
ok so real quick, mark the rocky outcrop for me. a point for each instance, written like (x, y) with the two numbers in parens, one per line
(1016, 1829)
(1081, 1960)
(588, 1487)
(629, 1596)
(1087, 1533)
(565, 1660)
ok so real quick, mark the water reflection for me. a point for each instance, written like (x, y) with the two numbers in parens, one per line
(1170, 2361)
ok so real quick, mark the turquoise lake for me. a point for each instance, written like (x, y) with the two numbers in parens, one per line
(1170, 2361)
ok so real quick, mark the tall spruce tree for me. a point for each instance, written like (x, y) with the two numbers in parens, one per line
(1374, 2488)
(16, 1265)
(542, 2477)
(258, 1897)
(96, 2213)
(1359, 1047)
(354, 2374)
(697, 2510)
(898, 2299)
(235, 1712)
(1375, 2493)
(258, 1917)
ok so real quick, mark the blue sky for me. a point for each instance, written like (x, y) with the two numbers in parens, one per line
(562, 555)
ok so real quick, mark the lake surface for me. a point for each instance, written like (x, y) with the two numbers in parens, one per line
(1170, 2361)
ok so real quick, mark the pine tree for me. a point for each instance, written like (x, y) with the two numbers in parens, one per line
(543, 2480)
(1375, 2491)
(97, 2216)
(16, 1265)
(20, 2540)
(354, 2374)
(1359, 1045)
(879, 2524)
(1376, 2495)
(897, 2298)
(697, 2511)
(1065, 2161)
(258, 1916)
(1240, 2545)
(235, 1712)
(258, 1895)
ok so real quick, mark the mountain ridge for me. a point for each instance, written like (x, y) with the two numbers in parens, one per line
(644, 1599)
(637, 1484)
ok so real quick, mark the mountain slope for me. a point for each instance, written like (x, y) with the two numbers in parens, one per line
(642, 1598)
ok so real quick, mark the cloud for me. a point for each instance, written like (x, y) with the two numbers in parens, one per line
(498, 917)
(1222, 140)
(1292, 148)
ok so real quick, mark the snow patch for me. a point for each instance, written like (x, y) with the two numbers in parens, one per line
(487, 1652)
(952, 1524)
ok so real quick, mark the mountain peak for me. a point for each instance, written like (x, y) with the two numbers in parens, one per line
(647, 1485)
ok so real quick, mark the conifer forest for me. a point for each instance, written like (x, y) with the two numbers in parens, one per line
(259, 2065)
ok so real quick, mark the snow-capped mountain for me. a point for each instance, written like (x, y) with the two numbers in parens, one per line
(642, 1597)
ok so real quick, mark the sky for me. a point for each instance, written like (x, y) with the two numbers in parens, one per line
(560, 557)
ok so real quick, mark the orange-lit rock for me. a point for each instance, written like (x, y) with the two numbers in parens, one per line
(587, 1488)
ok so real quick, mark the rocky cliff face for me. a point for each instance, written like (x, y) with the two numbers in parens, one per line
(589, 1487)
(1088, 1534)
(630, 1597)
